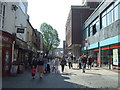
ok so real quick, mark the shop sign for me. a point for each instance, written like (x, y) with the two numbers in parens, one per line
(20, 30)
(115, 56)
(6, 39)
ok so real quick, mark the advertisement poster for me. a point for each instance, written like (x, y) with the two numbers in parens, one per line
(115, 56)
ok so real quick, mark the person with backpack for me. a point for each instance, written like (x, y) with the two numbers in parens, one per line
(63, 63)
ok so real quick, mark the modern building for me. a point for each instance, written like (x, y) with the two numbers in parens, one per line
(74, 26)
(102, 32)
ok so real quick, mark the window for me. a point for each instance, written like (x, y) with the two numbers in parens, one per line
(116, 2)
(0, 7)
(110, 17)
(94, 29)
(116, 12)
(22, 6)
(3, 16)
(91, 30)
(107, 16)
(104, 21)
(98, 26)
(87, 32)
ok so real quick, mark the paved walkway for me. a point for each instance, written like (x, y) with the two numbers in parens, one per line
(71, 78)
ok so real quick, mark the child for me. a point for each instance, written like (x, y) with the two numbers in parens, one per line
(33, 72)
(53, 68)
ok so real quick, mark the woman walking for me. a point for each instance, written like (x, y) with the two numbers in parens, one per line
(40, 67)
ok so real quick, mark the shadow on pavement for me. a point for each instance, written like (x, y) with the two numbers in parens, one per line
(75, 68)
(68, 74)
(51, 80)
(93, 73)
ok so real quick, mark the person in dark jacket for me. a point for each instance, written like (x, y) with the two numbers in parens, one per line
(84, 61)
(34, 63)
(90, 60)
(63, 63)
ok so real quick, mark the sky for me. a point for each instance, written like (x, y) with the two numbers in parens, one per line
(53, 12)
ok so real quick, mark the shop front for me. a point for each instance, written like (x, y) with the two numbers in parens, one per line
(20, 53)
(110, 56)
(7, 41)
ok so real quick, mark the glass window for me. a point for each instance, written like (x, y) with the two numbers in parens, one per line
(0, 7)
(116, 13)
(91, 30)
(104, 23)
(87, 32)
(116, 2)
(22, 6)
(110, 17)
(104, 13)
(97, 26)
(110, 8)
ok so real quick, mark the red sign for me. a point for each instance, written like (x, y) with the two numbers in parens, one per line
(85, 41)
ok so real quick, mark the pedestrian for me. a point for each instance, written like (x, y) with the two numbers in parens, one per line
(89, 62)
(84, 61)
(45, 59)
(63, 63)
(79, 62)
(52, 63)
(33, 71)
(57, 64)
(70, 62)
(40, 67)
(34, 62)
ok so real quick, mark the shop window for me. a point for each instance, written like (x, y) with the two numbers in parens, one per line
(7, 60)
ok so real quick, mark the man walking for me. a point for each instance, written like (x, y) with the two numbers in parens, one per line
(70, 62)
(84, 61)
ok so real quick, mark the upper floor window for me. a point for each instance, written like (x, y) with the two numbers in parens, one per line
(117, 10)
(22, 6)
(2, 14)
(96, 25)
(107, 16)
(91, 30)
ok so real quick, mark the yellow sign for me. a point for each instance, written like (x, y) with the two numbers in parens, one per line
(115, 56)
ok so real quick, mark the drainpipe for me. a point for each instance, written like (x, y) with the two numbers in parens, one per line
(13, 44)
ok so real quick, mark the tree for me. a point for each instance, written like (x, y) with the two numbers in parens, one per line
(50, 37)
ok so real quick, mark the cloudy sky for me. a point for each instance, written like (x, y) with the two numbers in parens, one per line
(53, 12)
